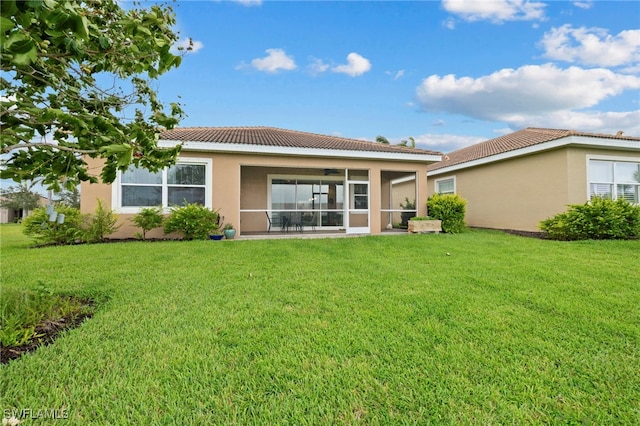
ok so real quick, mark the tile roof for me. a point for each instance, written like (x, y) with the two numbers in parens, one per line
(270, 136)
(513, 141)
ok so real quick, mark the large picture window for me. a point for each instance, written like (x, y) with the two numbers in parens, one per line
(188, 181)
(615, 179)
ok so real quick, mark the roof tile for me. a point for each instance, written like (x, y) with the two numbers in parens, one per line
(516, 140)
(270, 136)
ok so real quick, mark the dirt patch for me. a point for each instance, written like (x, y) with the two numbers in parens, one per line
(47, 332)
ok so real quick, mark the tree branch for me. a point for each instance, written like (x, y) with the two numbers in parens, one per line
(52, 145)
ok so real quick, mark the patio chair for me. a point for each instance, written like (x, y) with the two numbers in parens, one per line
(296, 221)
(269, 221)
(309, 220)
(286, 222)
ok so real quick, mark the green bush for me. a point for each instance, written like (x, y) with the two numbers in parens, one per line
(38, 227)
(148, 219)
(194, 221)
(598, 219)
(100, 224)
(450, 209)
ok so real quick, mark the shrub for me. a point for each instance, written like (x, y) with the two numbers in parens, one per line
(597, 219)
(148, 219)
(450, 209)
(194, 221)
(100, 224)
(38, 227)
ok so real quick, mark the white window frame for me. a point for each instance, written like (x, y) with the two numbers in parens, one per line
(436, 185)
(612, 159)
(116, 193)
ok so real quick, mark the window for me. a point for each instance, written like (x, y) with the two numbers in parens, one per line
(446, 186)
(615, 179)
(187, 181)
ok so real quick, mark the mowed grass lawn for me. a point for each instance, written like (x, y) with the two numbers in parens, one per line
(371, 330)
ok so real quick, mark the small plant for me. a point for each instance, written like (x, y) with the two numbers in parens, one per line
(450, 209)
(421, 218)
(193, 221)
(100, 224)
(43, 231)
(597, 219)
(405, 216)
(228, 227)
(148, 219)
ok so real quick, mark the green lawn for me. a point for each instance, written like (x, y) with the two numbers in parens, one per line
(372, 330)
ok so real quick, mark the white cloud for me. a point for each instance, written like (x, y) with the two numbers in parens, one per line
(186, 45)
(317, 66)
(445, 142)
(530, 95)
(449, 23)
(396, 74)
(496, 11)
(592, 46)
(356, 65)
(275, 61)
(583, 4)
(249, 2)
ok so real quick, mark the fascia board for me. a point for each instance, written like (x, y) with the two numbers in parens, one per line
(290, 151)
(577, 141)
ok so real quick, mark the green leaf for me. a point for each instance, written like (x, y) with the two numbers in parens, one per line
(6, 24)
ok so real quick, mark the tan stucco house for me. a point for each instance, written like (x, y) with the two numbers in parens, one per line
(265, 179)
(517, 180)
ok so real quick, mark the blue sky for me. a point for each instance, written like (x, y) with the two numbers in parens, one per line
(448, 73)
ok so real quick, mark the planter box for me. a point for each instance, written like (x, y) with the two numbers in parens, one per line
(424, 226)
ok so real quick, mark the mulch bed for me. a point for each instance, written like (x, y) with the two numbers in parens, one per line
(48, 330)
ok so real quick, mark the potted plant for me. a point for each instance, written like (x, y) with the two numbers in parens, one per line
(424, 224)
(217, 234)
(229, 231)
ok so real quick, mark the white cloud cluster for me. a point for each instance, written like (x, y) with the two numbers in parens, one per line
(532, 95)
(275, 61)
(186, 45)
(278, 60)
(592, 46)
(356, 65)
(495, 10)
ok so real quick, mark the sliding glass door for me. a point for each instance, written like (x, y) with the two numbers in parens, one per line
(305, 202)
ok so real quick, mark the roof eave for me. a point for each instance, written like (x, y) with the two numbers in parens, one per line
(575, 141)
(293, 151)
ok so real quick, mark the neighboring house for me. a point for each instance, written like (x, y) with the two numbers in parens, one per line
(262, 177)
(517, 180)
(8, 215)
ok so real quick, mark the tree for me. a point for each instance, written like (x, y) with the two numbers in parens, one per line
(70, 198)
(411, 142)
(77, 81)
(20, 198)
(382, 139)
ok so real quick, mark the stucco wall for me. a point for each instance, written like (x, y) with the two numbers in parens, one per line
(229, 170)
(518, 193)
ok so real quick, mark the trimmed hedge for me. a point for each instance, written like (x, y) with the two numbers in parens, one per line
(597, 219)
(450, 209)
